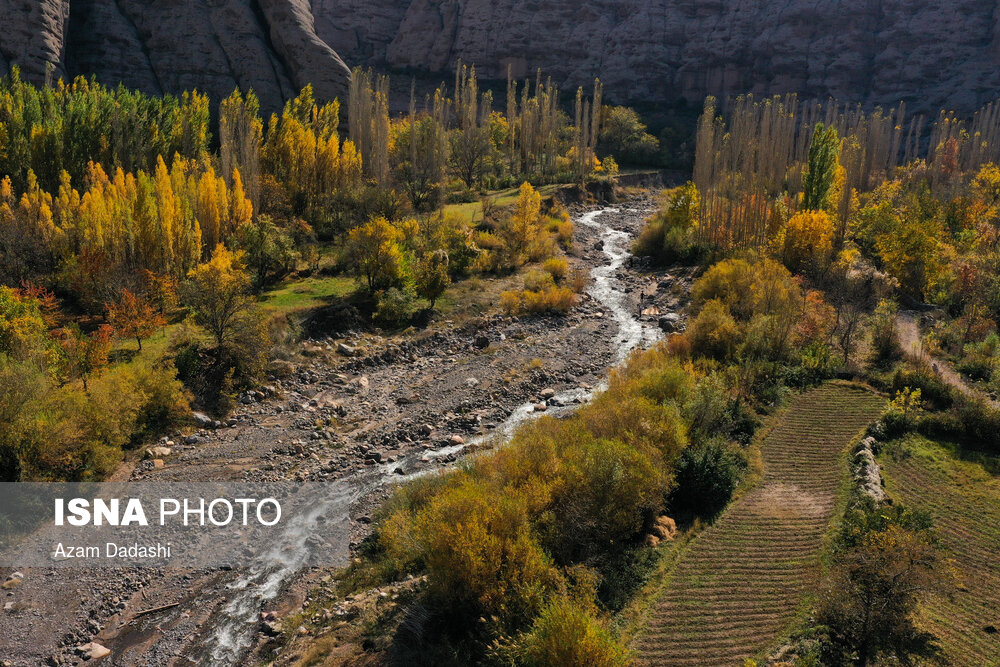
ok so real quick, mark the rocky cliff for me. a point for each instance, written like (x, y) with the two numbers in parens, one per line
(158, 47)
(931, 53)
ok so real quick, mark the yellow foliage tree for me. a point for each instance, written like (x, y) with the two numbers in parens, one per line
(806, 242)
(375, 254)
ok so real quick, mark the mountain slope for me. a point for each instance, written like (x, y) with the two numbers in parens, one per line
(167, 47)
(931, 53)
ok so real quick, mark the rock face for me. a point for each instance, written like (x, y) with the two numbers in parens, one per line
(167, 47)
(930, 53)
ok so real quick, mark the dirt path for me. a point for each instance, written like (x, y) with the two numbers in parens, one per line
(909, 339)
(741, 583)
(338, 418)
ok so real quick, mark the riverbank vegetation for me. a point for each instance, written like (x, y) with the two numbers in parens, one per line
(813, 222)
(125, 216)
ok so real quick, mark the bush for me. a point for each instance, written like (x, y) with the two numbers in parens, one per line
(884, 340)
(973, 421)
(395, 306)
(68, 434)
(706, 477)
(557, 267)
(608, 491)
(669, 234)
(714, 333)
(481, 556)
(568, 634)
(537, 281)
(549, 299)
(979, 360)
(806, 242)
(935, 391)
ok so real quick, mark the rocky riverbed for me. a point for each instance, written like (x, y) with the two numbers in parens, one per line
(365, 408)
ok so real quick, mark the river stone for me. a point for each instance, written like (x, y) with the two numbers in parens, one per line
(202, 419)
(669, 323)
(93, 651)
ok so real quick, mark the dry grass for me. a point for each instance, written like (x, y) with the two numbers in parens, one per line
(744, 581)
(963, 496)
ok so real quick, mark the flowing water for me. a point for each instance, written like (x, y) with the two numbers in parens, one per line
(608, 291)
(234, 634)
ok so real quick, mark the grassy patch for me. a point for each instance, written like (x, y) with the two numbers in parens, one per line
(472, 212)
(963, 496)
(302, 294)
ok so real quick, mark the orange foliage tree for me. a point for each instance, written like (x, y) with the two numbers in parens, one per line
(133, 317)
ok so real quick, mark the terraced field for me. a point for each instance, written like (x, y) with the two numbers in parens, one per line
(965, 501)
(745, 579)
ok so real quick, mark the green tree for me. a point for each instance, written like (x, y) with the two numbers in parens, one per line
(375, 254)
(432, 275)
(268, 250)
(623, 134)
(822, 170)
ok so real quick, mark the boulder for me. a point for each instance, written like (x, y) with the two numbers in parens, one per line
(481, 342)
(158, 452)
(92, 651)
(346, 350)
(669, 323)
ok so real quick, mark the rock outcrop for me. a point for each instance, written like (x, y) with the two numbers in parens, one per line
(167, 47)
(930, 53)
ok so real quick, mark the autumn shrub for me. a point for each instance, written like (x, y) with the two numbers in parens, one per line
(538, 281)
(669, 235)
(714, 332)
(512, 302)
(557, 267)
(567, 633)
(731, 282)
(578, 280)
(549, 299)
(606, 493)
(481, 556)
(762, 287)
(805, 244)
(645, 424)
(552, 300)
